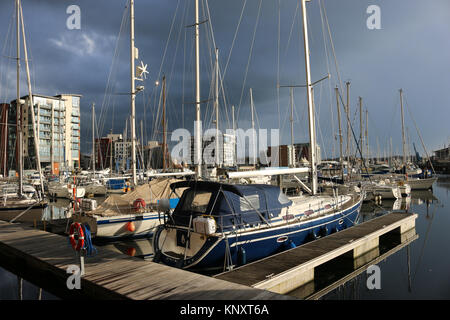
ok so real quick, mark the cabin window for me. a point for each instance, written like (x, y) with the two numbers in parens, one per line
(250, 203)
(197, 201)
(283, 199)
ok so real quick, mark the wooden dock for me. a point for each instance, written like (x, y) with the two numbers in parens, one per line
(43, 258)
(288, 270)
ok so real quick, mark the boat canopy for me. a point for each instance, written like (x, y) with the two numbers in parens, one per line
(231, 205)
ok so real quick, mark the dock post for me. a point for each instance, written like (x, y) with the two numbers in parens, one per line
(80, 256)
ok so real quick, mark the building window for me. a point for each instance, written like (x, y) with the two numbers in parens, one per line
(75, 101)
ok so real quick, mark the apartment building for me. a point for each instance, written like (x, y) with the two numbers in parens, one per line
(57, 125)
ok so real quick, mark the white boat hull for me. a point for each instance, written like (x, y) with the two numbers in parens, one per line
(118, 226)
(65, 192)
(386, 192)
(421, 184)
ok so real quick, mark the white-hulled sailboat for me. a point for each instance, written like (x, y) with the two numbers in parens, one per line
(416, 183)
(20, 196)
(136, 213)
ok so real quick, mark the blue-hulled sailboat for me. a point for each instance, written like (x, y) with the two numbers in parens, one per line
(217, 226)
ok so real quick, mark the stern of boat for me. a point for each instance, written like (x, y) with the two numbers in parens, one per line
(181, 247)
(82, 218)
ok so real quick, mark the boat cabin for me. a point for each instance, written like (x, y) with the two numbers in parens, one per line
(230, 205)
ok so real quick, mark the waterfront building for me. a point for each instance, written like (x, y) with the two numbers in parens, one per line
(57, 124)
(106, 150)
(441, 160)
(291, 158)
(229, 150)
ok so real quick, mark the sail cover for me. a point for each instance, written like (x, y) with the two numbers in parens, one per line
(123, 204)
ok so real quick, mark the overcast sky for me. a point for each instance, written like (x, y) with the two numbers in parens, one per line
(260, 44)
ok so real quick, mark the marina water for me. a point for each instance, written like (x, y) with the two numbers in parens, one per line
(419, 270)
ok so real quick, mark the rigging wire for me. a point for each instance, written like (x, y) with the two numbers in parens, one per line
(329, 82)
(278, 73)
(7, 45)
(234, 38)
(108, 97)
(420, 136)
(249, 56)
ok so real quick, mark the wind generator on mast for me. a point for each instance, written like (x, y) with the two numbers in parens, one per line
(141, 72)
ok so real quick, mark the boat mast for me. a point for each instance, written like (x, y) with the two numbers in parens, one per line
(341, 158)
(164, 122)
(111, 144)
(403, 130)
(31, 101)
(234, 137)
(93, 138)
(216, 105)
(133, 93)
(5, 135)
(198, 138)
(291, 93)
(390, 152)
(347, 111)
(367, 135)
(361, 128)
(142, 146)
(18, 105)
(253, 127)
(312, 134)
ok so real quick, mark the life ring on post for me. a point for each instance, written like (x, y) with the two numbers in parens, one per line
(79, 229)
(139, 204)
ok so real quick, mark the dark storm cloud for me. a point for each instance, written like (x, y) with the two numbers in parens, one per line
(409, 52)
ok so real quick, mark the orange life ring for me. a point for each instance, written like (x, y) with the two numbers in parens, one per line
(138, 204)
(76, 245)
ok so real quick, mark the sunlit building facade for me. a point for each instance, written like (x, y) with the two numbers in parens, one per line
(57, 125)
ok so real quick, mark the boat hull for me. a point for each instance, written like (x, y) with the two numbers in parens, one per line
(421, 184)
(116, 227)
(385, 192)
(65, 192)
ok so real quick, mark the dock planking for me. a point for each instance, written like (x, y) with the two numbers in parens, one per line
(43, 258)
(289, 269)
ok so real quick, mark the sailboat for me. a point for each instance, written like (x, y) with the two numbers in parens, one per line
(220, 225)
(416, 183)
(65, 189)
(93, 186)
(136, 213)
(20, 197)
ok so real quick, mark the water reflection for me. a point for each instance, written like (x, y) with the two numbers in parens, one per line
(141, 248)
(13, 287)
(348, 272)
(405, 263)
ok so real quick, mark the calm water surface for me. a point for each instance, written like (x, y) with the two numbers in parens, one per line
(419, 270)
